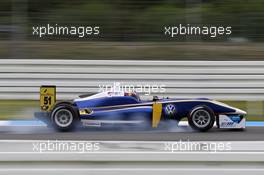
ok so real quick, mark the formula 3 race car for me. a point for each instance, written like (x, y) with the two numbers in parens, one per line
(126, 108)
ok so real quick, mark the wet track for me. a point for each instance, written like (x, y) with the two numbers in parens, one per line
(182, 133)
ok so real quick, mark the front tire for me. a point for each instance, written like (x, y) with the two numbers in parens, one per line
(64, 117)
(201, 118)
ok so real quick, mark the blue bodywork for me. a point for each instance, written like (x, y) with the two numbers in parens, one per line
(130, 108)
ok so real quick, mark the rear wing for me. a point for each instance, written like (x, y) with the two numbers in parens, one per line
(47, 97)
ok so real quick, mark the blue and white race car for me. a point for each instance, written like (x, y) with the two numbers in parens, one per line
(126, 108)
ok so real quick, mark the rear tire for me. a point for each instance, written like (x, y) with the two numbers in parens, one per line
(64, 117)
(201, 118)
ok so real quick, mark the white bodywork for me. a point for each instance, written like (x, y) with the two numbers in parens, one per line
(102, 95)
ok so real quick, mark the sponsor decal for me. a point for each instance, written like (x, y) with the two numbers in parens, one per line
(227, 124)
(170, 109)
(235, 118)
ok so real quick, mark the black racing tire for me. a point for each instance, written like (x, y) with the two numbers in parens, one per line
(201, 118)
(64, 117)
(63, 103)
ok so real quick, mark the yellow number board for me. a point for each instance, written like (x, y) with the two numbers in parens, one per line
(47, 97)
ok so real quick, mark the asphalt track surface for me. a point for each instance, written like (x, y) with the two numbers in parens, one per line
(99, 134)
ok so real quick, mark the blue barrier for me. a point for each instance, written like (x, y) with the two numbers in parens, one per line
(21, 123)
(254, 123)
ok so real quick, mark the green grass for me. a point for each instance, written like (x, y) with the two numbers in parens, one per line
(24, 109)
(135, 50)
(255, 109)
(18, 109)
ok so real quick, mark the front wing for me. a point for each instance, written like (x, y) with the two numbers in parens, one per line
(232, 121)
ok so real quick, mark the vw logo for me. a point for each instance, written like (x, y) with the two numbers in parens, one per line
(170, 109)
